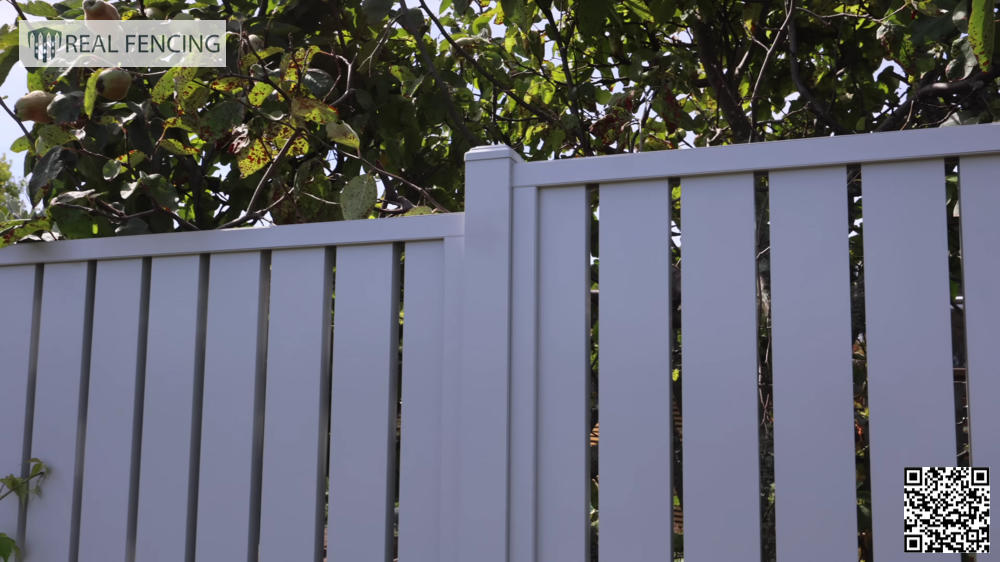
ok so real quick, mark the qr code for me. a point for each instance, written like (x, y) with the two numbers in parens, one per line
(946, 509)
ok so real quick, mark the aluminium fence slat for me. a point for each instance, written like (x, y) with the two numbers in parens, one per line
(454, 248)
(233, 364)
(107, 466)
(524, 375)
(908, 334)
(363, 402)
(57, 408)
(421, 419)
(168, 409)
(295, 406)
(814, 467)
(563, 375)
(17, 285)
(719, 376)
(980, 207)
(635, 372)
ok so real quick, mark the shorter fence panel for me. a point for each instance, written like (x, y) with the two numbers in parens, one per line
(296, 408)
(63, 354)
(635, 343)
(980, 209)
(364, 401)
(719, 382)
(118, 335)
(232, 409)
(421, 420)
(563, 375)
(18, 286)
(173, 369)
(910, 386)
(812, 372)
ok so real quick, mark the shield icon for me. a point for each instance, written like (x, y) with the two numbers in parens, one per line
(44, 42)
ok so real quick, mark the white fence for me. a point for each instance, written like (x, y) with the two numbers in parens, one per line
(198, 394)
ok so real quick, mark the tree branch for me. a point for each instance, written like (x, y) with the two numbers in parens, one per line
(574, 94)
(818, 108)
(729, 102)
(263, 181)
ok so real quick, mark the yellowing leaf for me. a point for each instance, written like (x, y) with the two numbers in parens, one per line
(175, 146)
(228, 84)
(343, 134)
(313, 110)
(260, 92)
(252, 158)
(981, 31)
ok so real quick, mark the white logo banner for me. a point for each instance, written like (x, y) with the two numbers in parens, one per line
(129, 43)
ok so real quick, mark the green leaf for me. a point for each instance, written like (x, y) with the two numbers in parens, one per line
(51, 136)
(20, 144)
(48, 167)
(66, 108)
(981, 31)
(418, 210)
(220, 119)
(343, 133)
(90, 92)
(39, 8)
(7, 545)
(70, 197)
(7, 60)
(376, 10)
(252, 58)
(313, 110)
(358, 197)
(111, 169)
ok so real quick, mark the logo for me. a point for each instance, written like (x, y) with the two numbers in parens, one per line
(44, 42)
(122, 43)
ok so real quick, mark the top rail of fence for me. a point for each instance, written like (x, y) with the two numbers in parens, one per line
(427, 227)
(800, 153)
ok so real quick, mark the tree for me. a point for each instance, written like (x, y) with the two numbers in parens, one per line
(12, 207)
(387, 91)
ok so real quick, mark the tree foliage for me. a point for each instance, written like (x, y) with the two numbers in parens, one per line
(320, 93)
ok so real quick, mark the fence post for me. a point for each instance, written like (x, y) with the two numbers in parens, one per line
(485, 378)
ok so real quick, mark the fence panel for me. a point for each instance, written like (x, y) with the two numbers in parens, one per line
(118, 339)
(365, 397)
(421, 419)
(910, 388)
(296, 409)
(563, 375)
(811, 370)
(18, 284)
(719, 384)
(635, 342)
(63, 354)
(980, 208)
(173, 372)
(232, 407)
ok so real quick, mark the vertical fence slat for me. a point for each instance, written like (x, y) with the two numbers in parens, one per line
(296, 407)
(17, 285)
(233, 354)
(57, 399)
(107, 466)
(635, 373)
(363, 403)
(980, 207)
(485, 380)
(454, 248)
(421, 427)
(523, 376)
(719, 379)
(168, 409)
(812, 372)
(563, 375)
(910, 394)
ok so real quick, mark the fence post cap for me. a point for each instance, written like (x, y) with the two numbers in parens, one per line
(492, 152)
